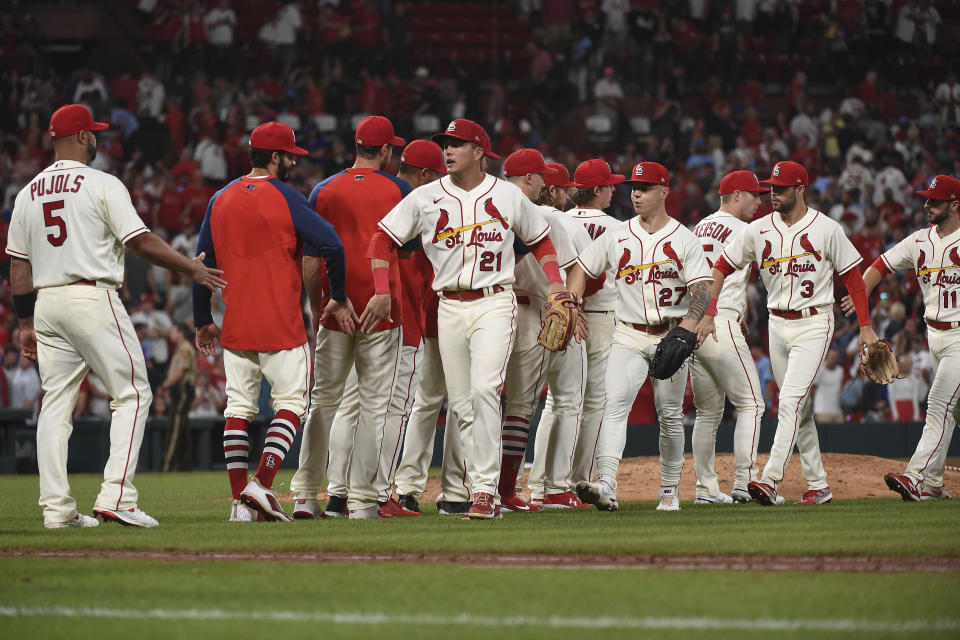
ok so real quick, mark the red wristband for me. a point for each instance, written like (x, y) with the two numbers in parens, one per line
(712, 309)
(381, 281)
(552, 269)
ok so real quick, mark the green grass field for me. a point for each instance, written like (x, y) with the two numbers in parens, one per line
(102, 596)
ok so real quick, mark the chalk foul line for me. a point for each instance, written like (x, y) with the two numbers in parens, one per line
(557, 622)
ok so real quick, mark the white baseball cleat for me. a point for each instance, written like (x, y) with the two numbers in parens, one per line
(740, 493)
(307, 509)
(368, 513)
(668, 499)
(79, 521)
(264, 501)
(127, 517)
(720, 498)
(602, 494)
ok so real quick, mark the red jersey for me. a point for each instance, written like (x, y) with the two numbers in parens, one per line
(354, 201)
(416, 276)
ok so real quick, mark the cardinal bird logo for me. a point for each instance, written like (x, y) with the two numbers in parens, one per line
(922, 260)
(670, 253)
(493, 212)
(767, 252)
(954, 257)
(807, 246)
(441, 225)
(624, 262)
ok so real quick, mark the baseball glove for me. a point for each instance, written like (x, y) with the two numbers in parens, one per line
(560, 322)
(878, 362)
(672, 351)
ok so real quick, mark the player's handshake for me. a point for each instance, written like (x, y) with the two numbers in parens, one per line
(206, 276)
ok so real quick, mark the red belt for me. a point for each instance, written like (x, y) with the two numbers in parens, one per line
(652, 329)
(793, 315)
(89, 283)
(470, 294)
(523, 299)
(942, 326)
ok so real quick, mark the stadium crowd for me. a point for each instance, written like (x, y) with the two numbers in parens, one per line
(624, 80)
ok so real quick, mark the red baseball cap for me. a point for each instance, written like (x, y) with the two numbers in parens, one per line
(463, 129)
(73, 118)
(424, 154)
(595, 173)
(276, 136)
(942, 187)
(741, 181)
(787, 174)
(524, 161)
(650, 172)
(559, 178)
(377, 131)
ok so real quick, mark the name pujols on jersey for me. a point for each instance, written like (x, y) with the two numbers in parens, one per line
(48, 185)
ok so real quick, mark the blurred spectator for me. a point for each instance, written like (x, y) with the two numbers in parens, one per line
(904, 393)
(208, 401)
(827, 388)
(179, 389)
(947, 98)
(157, 324)
(99, 398)
(764, 371)
(10, 355)
(25, 388)
(220, 23)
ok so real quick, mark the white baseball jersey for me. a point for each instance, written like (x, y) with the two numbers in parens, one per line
(937, 263)
(796, 262)
(467, 236)
(596, 223)
(652, 270)
(716, 231)
(71, 223)
(531, 279)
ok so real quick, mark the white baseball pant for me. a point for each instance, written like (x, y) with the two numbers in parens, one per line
(797, 351)
(725, 368)
(343, 433)
(476, 339)
(376, 357)
(943, 410)
(530, 366)
(80, 328)
(422, 429)
(628, 364)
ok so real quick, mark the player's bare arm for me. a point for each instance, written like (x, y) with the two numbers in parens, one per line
(378, 307)
(706, 326)
(699, 301)
(21, 289)
(151, 247)
(576, 283)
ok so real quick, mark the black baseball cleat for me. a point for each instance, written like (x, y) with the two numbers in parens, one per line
(447, 508)
(409, 503)
(336, 507)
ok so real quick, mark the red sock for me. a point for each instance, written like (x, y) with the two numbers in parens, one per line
(276, 444)
(236, 451)
(516, 432)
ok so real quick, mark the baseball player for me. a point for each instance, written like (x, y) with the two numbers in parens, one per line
(466, 222)
(253, 228)
(722, 367)
(662, 279)
(934, 253)
(530, 364)
(797, 250)
(555, 446)
(68, 231)
(594, 188)
(353, 201)
(421, 162)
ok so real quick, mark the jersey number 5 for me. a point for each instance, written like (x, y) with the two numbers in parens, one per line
(51, 220)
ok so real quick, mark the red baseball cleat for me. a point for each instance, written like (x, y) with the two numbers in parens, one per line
(483, 507)
(903, 485)
(816, 496)
(515, 503)
(392, 509)
(565, 500)
(763, 493)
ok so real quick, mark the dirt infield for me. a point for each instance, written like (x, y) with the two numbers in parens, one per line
(850, 476)
(674, 563)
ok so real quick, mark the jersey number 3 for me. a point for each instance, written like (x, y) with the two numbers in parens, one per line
(51, 220)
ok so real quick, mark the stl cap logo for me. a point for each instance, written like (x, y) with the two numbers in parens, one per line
(360, 141)
(933, 183)
(403, 158)
(452, 126)
(638, 171)
(776, 170)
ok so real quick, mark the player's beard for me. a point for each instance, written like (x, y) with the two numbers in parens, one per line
(91, 149)
(939, 218)
(544, 196)
(283, 168)
(786, 202)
